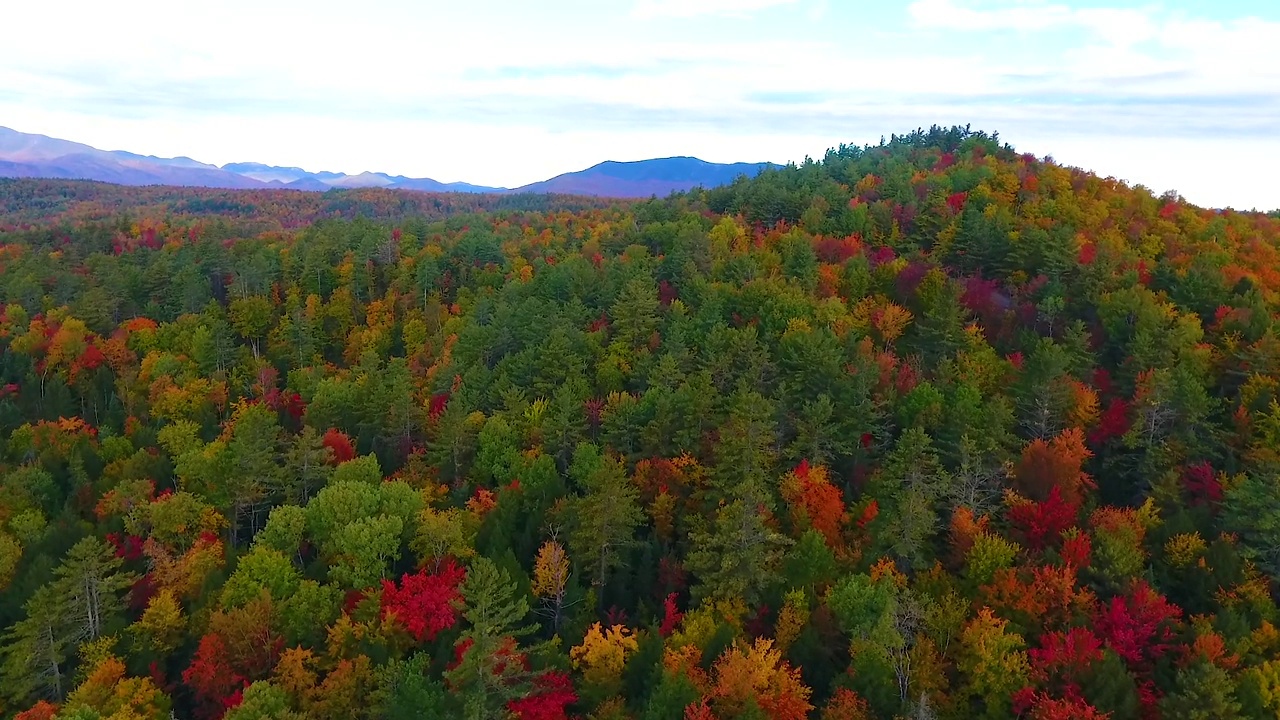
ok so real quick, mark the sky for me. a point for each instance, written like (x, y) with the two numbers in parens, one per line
(1178, 96)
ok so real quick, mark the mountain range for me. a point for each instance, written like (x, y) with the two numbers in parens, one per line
(40, 156)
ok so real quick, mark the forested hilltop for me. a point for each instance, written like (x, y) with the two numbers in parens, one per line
(929, 429)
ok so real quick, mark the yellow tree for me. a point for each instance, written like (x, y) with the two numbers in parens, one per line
(551, 579)
(603, 655)
(993, 662)
(757, 675)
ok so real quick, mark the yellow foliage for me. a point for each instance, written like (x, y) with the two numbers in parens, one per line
(792, 619)
(294, 673)
(603, 653)
(114, 696)
(758, 672)
(162, 623)
(550, 570)
(1183, 549)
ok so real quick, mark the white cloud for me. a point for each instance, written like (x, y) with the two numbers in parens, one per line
(647, 9)
(501, 93)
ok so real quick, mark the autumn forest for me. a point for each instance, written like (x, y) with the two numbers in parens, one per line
(925, 429)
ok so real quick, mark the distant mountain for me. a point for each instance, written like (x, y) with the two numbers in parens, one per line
(40, 156)
(644, 178)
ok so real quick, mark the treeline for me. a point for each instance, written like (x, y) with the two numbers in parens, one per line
(928, 429)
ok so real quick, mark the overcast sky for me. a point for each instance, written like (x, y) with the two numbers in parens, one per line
(1174, 95)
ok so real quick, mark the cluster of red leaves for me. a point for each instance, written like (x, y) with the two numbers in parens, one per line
(128, 547)
(881, 255)
(1202, 485)
(437, 404)
(667, 293)
(1076, 551)
(553, 691)
(1033, 705)
(43, 710)
(671, 616)
(1065, 656)
(212, 679)
(1113, 423)
(1138, 625)
(1040, 524)
(594, 408)
(424, 603)
(340, 444)
(837, 250)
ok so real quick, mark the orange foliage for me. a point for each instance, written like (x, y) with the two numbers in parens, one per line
(814, 502)
(1057, 463)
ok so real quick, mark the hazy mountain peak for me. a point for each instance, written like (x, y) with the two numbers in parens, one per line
(30, 155)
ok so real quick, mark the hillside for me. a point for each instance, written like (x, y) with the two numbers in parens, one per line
(646, 178)
(933, 428)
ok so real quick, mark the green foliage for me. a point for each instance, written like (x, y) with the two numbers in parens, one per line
(234, 423)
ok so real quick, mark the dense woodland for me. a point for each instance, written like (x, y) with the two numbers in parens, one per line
(928, 429)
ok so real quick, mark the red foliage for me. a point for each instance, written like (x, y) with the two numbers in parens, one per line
(1041, 706)
(1138, 625)
(593, 408)
(1077, 551)
(881, 255)
(128, 547)
(1088, 253)
(955, 201)
(983, 298)
(666, 293)
(1065, 656)
(140, 594)
(295, 406)
(1202, 485)
(91, 359)
(869, 514)
(437, 405)
(910, 277)
(211, 677)
(1102, 381)
(1041, 524)
(351, 600)
(552, 692)
(340, 444)
(424, 602)
(838, 250)
(671, 616)
(1113, 423)
(42, 710)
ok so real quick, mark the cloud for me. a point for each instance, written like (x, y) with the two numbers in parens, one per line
(648, 9)
(1119, 25)
(447, 89)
